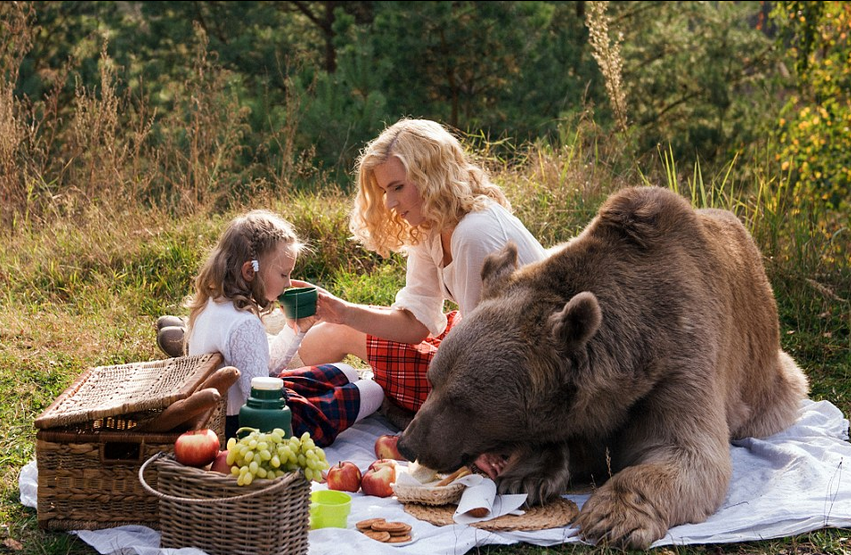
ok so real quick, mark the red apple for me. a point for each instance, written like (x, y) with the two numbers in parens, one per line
(344, 476)
(196, 447)
(382, 462)
(385, 448)
(220, 464)
(379, 478)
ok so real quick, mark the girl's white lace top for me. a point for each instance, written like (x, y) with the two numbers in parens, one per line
(241, 338)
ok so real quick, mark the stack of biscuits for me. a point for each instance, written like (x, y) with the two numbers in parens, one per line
(387, 532)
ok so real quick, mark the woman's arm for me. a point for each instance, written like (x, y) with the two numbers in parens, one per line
(344, 333)
(478, 235)
(394, 324)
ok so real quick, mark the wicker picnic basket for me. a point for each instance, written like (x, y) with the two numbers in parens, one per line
(88, 449)
(209, 511)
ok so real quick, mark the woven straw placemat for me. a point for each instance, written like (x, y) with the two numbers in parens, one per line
(557, 514)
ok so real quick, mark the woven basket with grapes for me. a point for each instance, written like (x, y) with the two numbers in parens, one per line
(261, 507)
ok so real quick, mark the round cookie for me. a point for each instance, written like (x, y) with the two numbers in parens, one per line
(392, 527)
(367, 524)
(377, 536)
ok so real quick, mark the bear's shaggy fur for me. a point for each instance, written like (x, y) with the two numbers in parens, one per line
(628, 359)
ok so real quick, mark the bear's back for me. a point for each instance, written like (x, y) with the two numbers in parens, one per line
(669, 280)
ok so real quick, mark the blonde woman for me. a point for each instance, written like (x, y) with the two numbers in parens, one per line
(419, 194)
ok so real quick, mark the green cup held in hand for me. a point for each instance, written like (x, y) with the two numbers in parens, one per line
(298, 302)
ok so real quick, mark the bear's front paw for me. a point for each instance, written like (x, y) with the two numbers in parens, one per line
(540, 485)
(621, 517)
(540, 471)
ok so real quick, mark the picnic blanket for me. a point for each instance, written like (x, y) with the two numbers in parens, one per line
(788, 484)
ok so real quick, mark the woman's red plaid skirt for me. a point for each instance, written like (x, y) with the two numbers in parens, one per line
(400, 368)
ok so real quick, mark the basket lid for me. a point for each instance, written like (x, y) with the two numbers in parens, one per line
(106, 391)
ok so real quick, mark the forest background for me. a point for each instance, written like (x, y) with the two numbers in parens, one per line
(131, 131)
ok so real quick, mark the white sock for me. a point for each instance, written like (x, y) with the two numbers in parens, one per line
(348, 370)
(371, 394)
(371, 397)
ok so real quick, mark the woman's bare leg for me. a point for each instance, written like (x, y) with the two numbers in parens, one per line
(327, 342)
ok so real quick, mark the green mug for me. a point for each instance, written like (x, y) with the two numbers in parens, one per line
(329, 509)
(298, 302)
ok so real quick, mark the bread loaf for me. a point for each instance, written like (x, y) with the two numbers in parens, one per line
(181, 411)
(221, 380)
(460, 473)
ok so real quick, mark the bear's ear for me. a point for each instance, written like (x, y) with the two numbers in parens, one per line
(497, 268)
(577, 322)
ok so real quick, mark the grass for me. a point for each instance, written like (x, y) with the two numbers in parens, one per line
(86, 291)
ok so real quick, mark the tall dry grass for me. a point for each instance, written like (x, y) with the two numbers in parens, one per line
(104, 147)
(607, 53)
(16, 39)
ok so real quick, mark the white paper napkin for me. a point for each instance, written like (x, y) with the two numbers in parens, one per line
(404, 478)
(481, 492)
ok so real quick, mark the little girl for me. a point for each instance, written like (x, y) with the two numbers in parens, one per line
(239, 282)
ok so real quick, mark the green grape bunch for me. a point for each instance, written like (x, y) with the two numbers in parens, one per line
(271, 454)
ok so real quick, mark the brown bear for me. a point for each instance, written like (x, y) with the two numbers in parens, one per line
(628, 359)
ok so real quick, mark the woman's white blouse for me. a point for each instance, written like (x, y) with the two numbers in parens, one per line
(428, 283)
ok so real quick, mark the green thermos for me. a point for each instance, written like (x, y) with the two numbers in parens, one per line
(266, 408)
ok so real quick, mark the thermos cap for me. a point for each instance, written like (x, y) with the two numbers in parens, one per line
(267, 384)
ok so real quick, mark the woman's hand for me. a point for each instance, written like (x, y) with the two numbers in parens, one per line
(331, 309)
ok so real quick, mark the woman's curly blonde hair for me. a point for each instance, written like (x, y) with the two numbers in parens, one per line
(247, 237)
(451, 186)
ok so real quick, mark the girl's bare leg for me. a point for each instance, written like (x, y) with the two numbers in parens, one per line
(327, 342)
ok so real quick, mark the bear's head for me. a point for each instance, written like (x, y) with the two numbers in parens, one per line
(507, 374)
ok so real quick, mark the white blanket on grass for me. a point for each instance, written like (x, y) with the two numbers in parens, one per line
(787, 484)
